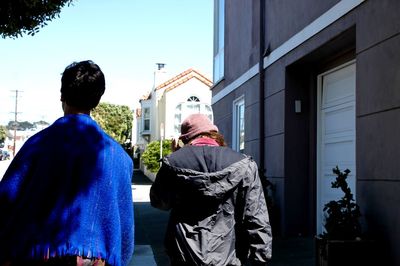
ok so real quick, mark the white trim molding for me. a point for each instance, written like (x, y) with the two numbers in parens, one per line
(236, 84)
(322, 22)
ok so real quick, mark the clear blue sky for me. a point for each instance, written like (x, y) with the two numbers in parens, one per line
(126, 38)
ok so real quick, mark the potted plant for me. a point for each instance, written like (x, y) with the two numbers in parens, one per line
(342, 242)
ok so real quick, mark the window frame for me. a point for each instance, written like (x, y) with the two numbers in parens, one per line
(191, 107)
(219, 40)
(236, 140)
(144, 119)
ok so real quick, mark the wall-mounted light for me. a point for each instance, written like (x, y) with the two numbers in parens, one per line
(297, 106)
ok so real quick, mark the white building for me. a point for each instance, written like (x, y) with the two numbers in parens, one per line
(169, 103)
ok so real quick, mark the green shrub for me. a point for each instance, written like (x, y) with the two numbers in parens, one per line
(3, 133)
(151, 155)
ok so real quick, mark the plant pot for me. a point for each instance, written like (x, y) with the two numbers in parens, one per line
(344, 252)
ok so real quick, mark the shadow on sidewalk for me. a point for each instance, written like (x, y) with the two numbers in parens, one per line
(150, 230)
(293, 251)
(150, 225)
(140, 179)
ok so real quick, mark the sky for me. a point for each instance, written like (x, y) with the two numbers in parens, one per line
(126, 38)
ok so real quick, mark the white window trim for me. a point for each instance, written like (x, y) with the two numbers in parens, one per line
(235, 137)
(219, 41)
(143, 119)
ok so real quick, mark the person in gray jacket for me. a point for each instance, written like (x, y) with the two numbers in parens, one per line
(218, 211)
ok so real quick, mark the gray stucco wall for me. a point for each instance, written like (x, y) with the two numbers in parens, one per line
(373, 31)
(378, 121)
(241, 39)
(284, 18)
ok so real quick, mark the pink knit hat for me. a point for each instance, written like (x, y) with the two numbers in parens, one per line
(195, 124)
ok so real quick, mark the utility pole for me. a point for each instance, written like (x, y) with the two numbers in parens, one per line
(161, 141)
(15, 119)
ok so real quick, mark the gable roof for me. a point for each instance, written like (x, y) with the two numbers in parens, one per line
(182, 78)
(145, 97)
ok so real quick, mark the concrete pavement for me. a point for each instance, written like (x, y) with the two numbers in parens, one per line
(150, 225)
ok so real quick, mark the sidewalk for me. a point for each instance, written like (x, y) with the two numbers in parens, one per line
(150, 225)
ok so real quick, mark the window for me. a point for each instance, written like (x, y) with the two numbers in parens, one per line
(191, 106)
(238, 125)
(193, 99)
(146, 119)
(178, 118)
(219, 39)
(208, 112)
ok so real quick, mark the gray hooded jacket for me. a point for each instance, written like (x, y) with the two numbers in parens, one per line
(218, 210)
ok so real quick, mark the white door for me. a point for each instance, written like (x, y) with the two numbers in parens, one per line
(336, 136)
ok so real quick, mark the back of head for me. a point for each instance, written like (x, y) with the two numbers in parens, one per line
(82, 85)
(194, 125)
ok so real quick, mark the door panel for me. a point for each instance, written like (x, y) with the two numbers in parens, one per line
(336, 134)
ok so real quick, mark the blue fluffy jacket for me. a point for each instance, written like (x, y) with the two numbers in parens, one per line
(68, 192)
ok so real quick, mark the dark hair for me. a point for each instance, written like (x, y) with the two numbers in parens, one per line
(211, 134)
(82, 85)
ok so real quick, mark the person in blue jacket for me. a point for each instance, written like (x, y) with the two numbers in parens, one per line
(66, 197)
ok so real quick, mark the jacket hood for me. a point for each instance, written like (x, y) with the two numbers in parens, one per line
(211, 184)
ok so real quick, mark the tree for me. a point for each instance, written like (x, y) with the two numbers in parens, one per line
(27, 16)
(41, 123)
(25, 125)
(115, 120)
(3, 133)
(151, 155)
